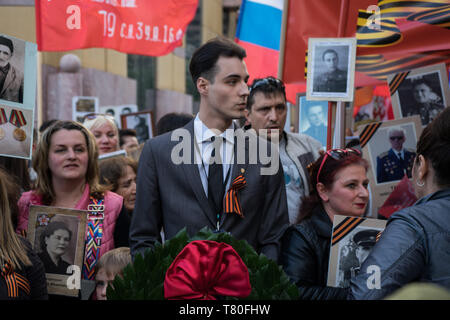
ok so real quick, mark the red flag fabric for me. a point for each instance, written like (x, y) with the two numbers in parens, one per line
(206, 269)
(402, 196)
(145, 27)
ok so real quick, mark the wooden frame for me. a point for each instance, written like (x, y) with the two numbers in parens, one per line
(323, 84)
(348, 252)
(40, 219)
(146, 130)
(409, 93)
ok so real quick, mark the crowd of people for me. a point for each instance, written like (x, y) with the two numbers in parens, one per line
(285, 213)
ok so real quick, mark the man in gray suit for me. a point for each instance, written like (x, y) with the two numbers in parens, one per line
(173, 194)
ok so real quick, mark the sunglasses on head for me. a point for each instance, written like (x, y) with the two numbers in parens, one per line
(337, 154)
(267, 81)
(94, 115)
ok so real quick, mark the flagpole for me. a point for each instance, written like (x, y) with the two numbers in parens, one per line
(282, 39)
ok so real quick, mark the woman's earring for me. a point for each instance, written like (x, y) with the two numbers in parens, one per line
(420, 184)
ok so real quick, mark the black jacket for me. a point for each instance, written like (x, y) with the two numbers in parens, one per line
(305, 254)
(415, 246)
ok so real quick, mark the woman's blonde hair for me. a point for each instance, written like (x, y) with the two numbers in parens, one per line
(12, 250)
(44, 185)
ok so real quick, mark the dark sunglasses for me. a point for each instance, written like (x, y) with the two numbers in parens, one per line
(398, 138)
(94, 115)
(337, 154)
(267, 81)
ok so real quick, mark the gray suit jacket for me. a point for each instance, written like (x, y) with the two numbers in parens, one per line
(171, 196)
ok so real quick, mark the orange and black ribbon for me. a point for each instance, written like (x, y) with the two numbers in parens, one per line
(14, 281)
(3, 118)
(232, 203)
(345, 227)
(368, 133)
(17, 118)
(397, 81)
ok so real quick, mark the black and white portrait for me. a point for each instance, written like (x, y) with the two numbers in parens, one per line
(117, 111)
(82, 106)
(331, 69)
(423, 92)
(141, 122)
(12, 65)
(313, 117)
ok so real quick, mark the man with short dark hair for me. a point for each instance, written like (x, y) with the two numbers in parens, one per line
(266, 113)
(11, 79)
(128, 139)
(211, 186)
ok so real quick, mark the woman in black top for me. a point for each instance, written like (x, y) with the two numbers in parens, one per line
(54, 243)
(22, 274)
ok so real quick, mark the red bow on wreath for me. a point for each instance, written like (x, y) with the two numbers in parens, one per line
(232, 203)
(205, 269)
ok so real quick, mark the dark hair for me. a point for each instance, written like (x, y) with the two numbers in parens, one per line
(112, 169)
(7, 42)
(126, 133)
(50, 229)
(422, 81)
(327, 176)
(172, 121)
(329, 51)
(270, 86)
(204, 59)
(434, 145)
(46, 124)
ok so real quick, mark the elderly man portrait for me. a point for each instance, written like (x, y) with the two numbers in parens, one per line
(11, 79)
(333, 79)
(393, 164)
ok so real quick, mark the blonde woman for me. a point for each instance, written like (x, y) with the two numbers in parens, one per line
(22, 274)
(105, 131)
(67, 169)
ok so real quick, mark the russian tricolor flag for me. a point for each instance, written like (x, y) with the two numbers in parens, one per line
(258, 32)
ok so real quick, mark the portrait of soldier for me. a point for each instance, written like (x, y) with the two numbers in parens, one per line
(11, 78)
(427, 103)
(317, 126)
(333, 79)
(393, 164)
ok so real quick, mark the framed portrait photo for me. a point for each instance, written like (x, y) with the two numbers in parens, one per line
(117, 111)
(18, 62)
(390, 149)
(352, 240)
(331, 69)
(81, 106)
(58, 237)
(313, 118)
(422, 91)
(142, 122)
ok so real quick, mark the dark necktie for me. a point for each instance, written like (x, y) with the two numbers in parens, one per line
(216, 188)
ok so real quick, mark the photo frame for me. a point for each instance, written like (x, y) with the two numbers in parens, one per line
(313, 118)
(82, 105)
(422, 91)
(378, 142)
(17, 97)
(331, 69)
(142, 122)
(59, 233)
(351, 242)
(117, 111)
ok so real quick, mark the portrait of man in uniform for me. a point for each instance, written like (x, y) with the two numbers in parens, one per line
(11, 73)
(333, 79)
(393, 164)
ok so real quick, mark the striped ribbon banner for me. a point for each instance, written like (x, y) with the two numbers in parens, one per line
(232, 204)
(3, 118)
(17, 118)
(368, 132)
(397, 81)
(14, 281)
(94, 236)
(345, 227)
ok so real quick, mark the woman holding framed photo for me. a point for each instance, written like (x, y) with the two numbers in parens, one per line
(68, 177)
(339, 186)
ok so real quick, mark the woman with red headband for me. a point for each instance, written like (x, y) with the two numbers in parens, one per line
(339, 186)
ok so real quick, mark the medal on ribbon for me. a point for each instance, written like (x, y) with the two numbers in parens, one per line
(17, 118)
(3, 120)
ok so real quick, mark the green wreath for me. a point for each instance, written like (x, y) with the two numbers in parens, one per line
(144, 278)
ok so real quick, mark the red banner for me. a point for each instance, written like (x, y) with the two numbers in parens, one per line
(145, 27)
